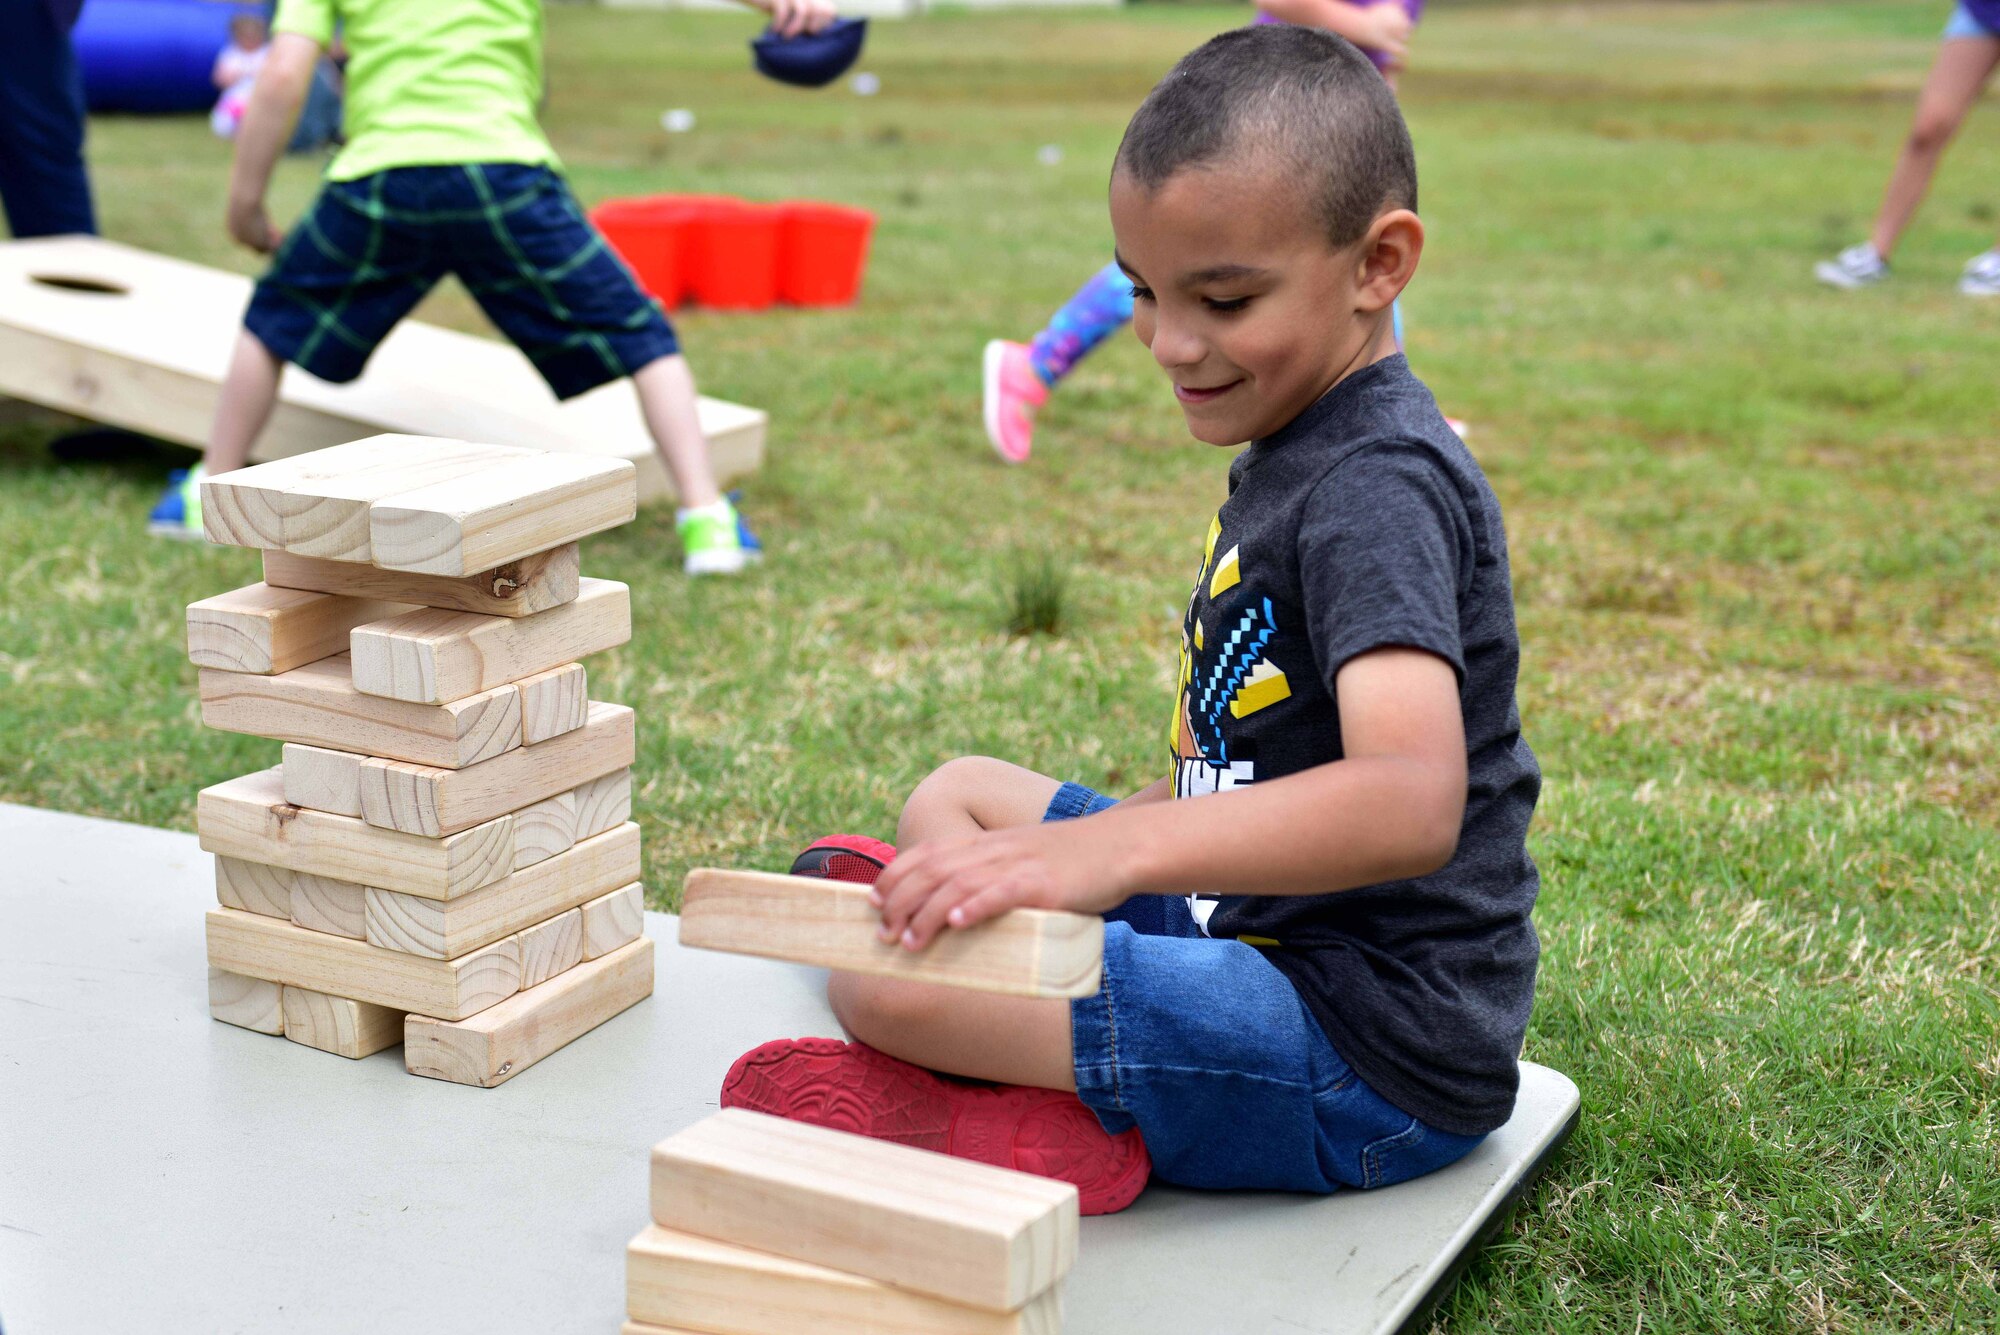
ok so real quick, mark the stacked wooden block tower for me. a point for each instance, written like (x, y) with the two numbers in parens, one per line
(445, 858)
(763, 1226)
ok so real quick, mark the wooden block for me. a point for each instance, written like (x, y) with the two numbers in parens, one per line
(447, 929)
(248, 818)
(323, 780)
(677, 1280)
(500, 1043)
(952, 1228)
(249, 507)
(425, 799)
(502, 513)
(430, 656)
(551, 947)
(1028, 952)
(250, 1003)
(609, 921)
(553, 703)
(518, 589)
(264, 629)
(317, 705)
(603, 803)
(280, 952)
(326, 905)
(544, 829)
(254, 887)
(345, 1028)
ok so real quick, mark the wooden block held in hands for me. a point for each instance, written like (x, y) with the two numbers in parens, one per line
(553, 703)
(352, 1029)
(429, 656)
(518, 589)
(967, 1232)
(325, 905)
(248, 818)
(1028, 952)
(505, 1040)
(280, 952)
(447, 929)
(254, 887)
(502, 513)
(266, 630)
(317, 705)
(250, 1003)
(612, 920)
(426, 799)
(678, 1281)
(323, 780)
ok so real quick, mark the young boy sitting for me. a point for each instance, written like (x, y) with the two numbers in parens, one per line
(445, 171)
(1318, 959)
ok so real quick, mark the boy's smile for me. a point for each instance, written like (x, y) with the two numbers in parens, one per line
(1242, 300)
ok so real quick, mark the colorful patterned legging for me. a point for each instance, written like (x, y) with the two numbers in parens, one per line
(1101, 305)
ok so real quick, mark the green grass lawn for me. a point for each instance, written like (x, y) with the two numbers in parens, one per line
(1756, 533)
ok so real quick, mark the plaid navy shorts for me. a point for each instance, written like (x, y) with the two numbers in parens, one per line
(369, 249)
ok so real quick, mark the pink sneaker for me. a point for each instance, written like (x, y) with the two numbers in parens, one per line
(1013, 392)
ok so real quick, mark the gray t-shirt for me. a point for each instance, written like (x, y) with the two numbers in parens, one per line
(1364, 524)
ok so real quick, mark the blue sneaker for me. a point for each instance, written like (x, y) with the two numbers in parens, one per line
(178, 514)
(753, 550)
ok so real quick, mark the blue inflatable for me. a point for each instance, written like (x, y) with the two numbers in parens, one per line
(153, 55)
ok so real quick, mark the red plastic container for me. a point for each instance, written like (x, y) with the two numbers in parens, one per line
(647, 234)
(822, 252)
(733, 262)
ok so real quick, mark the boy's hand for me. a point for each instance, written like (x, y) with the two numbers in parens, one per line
(250, 225)
(1386, 28)
(958, 882)
(789, 18)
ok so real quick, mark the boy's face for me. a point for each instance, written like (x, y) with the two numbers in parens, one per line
(1242, 300)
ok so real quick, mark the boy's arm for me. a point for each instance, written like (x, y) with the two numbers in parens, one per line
(267, 127)
(1391, 809)
(1383, 26)
(789, 18)
(1159, 790)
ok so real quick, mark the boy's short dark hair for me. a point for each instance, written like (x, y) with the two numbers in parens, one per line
(1306, 97)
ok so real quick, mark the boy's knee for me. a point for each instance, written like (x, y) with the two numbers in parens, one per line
(1932, 132)
(950, 790)
(878, 1011)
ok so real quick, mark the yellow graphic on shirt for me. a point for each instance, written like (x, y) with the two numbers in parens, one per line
(1264, 687)
(1228, 573)
(1223, 676)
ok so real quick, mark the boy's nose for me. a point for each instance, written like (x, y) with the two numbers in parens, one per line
(1174, 346)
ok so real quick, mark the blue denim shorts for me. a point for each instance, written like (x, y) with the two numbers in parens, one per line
(1206, 1048)
(1963, 24)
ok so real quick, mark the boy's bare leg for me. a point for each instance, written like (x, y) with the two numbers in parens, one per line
(1953, 85)
(971, 794)
(667, 398)
(249, 392)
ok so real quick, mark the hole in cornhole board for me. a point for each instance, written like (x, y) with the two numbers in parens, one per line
(69, 282)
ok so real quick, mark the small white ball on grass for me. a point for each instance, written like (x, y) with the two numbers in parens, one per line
(678, 121)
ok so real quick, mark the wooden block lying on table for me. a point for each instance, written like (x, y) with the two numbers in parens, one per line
(279, 952)
(549, 948)
(677, 1280)
(1028, 952)
(501, 513)
(428, 656)
(248, 818)
(323, 780)
(428, 799)
(250, 1003)
(352, 1029)
(609, 921)
(968, 1232)
(254, 887)
(500, 1043)
(317, 705)
(445, 929)
(553, 703)
(326, 905)
(263, 629)
(517, 589)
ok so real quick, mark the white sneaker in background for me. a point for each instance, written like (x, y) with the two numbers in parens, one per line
(1856, 267)
(1982, 275)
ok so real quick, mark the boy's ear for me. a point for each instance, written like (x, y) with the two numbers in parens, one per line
(1388, 258)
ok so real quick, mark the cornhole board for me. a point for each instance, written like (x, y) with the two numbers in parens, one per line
(204, 1178)
(138, 340)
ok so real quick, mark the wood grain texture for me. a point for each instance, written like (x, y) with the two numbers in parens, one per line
(322, 904)
(317, 705)
(543, 829)
(254, 887)
(498, 1044)
(323, 780)
(603, 803)
(517, 589)
(331, 517)
(502, 513)
(447, 929)
(431, 656)
(553, 703)
(248, 1003)
(280, 952)
(1028, 952)
(427, 799)
(677, 1280)
(549, 948)
(952, 1228)
(613, 920)
(251, 506)
(264, 630)
(352, 1029)
(248, 818)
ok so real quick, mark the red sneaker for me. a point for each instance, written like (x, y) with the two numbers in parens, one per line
(852, 1087)
(845, 857)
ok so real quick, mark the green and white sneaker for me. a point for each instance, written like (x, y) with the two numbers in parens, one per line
(711, 541)
(178, 514)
